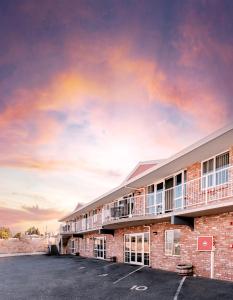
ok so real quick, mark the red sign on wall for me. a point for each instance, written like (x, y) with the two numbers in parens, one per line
(205, 243)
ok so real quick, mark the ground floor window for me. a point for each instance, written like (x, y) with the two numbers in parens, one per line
(100, 247)
(136, 248)
(172, 242)
(72, 247)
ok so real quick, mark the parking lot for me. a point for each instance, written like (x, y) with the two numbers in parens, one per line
(65, 277)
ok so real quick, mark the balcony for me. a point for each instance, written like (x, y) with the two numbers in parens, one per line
(210, 193)
(83, 225)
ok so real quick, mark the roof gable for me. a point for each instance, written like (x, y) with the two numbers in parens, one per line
(142, 167)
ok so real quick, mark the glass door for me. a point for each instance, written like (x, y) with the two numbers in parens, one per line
(133, 249)
(100, 247)
(169, 193)
(137, 248)
(159, 198)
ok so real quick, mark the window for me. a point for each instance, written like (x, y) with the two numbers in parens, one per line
(159, 198)
(95, 216)
(150, 199)
(172, 242)
(72, 247)
(215, 171)
(150, 189)
(178, 191)
(222, 172)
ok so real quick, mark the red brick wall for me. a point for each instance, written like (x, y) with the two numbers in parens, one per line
(194, 171)
(219, 226)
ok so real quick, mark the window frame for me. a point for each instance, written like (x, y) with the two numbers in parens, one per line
(162, 180)
(73, 246)
(172, 253)
(215, 171)
(95, 215)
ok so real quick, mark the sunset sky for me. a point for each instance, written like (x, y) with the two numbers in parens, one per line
(89, 88)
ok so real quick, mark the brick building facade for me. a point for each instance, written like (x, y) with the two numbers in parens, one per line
(156, 217)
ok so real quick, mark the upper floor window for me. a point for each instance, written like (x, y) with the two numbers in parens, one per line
(150, 189)
(215, 170)
(172, 242)
(95, 215)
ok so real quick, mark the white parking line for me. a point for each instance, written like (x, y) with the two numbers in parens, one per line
(128, 275)
(179, 288)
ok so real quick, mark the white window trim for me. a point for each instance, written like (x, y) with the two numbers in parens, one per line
(214, 171)
(95, 215)
(144, 252)
(74, 248)
(165, 243)
(182, 171)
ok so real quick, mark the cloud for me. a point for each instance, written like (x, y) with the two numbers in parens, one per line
(114, 77)
(205, 45)
(98, 87)
(33, 163)
(11, 216)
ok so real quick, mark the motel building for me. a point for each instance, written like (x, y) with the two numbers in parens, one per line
(165, 213)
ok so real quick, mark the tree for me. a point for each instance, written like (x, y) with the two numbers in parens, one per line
(5, 233)
(32, 230)
(17, 235)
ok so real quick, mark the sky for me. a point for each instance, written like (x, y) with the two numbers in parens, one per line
(89, 88)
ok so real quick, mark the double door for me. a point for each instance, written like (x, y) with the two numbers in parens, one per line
(137, 248)
(100, 247)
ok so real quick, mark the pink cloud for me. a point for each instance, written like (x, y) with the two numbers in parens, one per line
(11, 216)
(125, 81)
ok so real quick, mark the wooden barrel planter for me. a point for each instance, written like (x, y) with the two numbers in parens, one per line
(184, 269)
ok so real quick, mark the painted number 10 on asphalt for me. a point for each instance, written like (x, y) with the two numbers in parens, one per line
(139, 287)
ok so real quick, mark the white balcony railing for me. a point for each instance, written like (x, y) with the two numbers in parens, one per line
(214, 187)
(89, 223)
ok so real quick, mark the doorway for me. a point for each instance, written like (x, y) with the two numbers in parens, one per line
(137, 248)
(100, 247)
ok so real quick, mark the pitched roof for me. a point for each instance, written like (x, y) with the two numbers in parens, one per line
(141, 167)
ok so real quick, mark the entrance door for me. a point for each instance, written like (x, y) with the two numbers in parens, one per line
(169, 183)
(137, 248)
(100, 247)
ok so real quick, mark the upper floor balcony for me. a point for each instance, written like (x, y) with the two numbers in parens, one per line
(209, 192)
(87, 223)
(211, 188)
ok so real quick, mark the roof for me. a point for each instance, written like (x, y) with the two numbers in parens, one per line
(211, 145)
(141, 167)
